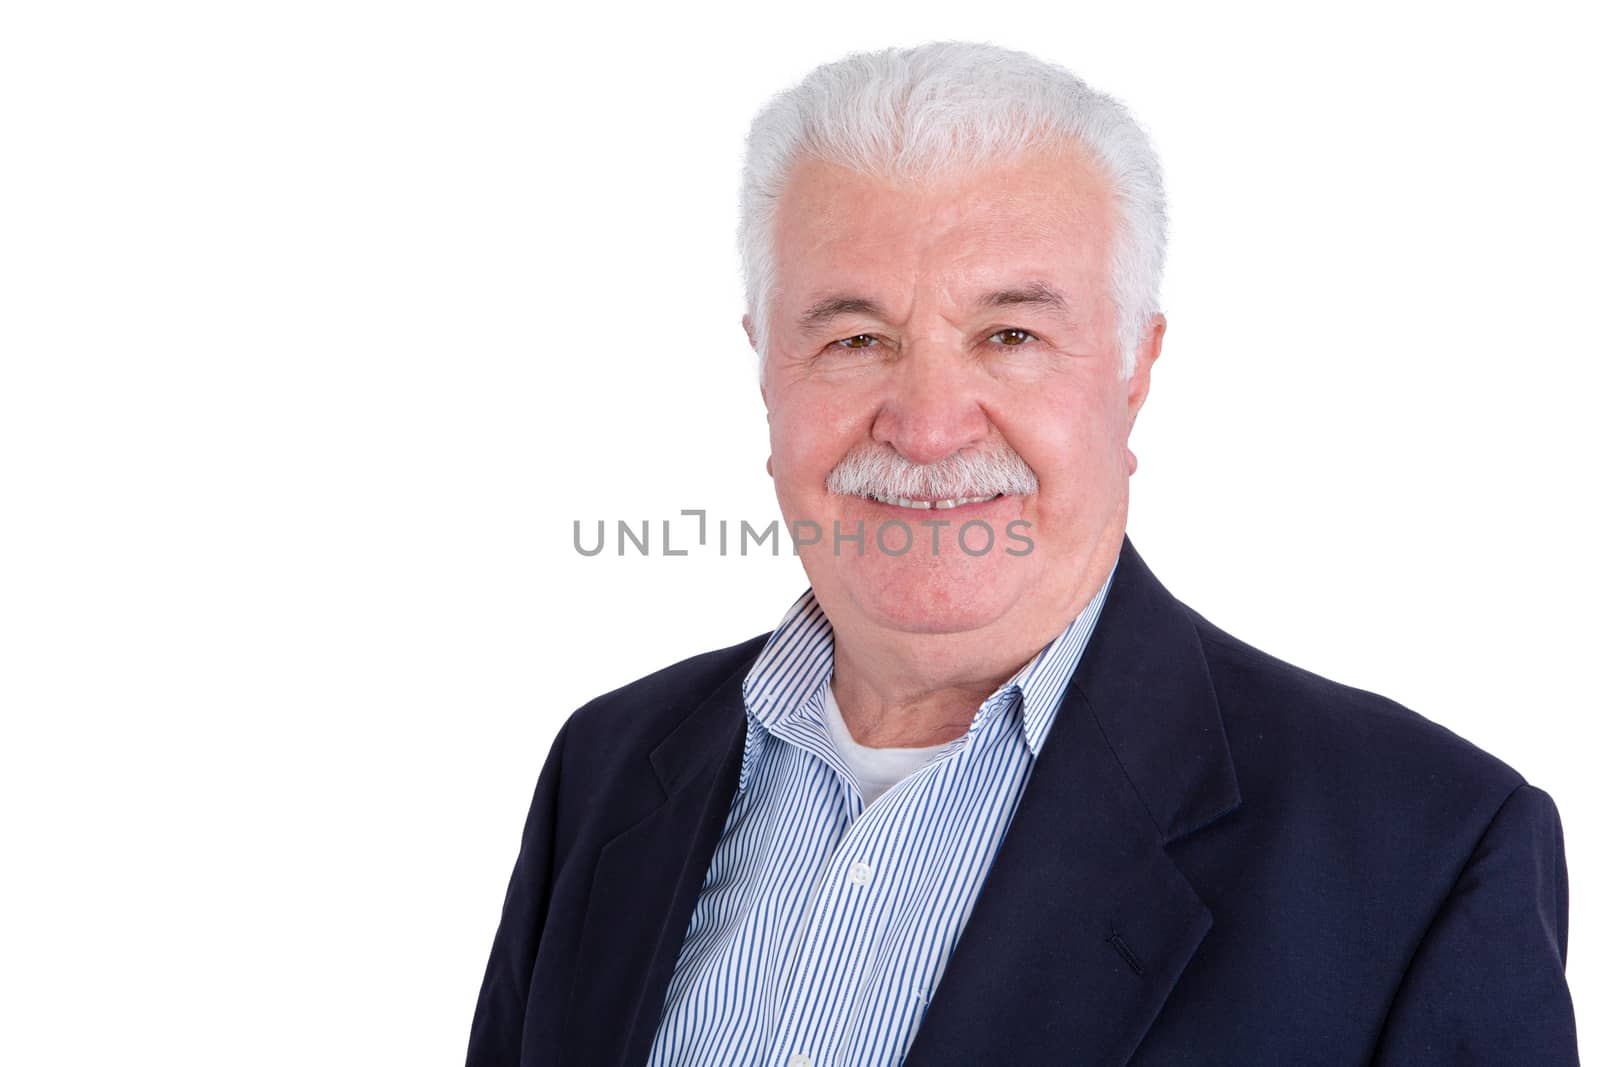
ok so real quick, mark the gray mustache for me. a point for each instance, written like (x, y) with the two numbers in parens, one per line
(876, 470)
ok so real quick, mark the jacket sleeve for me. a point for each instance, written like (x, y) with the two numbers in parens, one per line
(1487, 984)
(496, 1039)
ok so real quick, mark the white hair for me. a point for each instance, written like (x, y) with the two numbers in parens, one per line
(876, 470)
(913, 113)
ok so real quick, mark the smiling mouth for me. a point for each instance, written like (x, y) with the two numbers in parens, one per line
(939, 505)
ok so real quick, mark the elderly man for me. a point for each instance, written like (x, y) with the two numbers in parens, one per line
(989, 794)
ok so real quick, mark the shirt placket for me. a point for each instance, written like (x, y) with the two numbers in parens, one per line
(831, 956)
(851, 890)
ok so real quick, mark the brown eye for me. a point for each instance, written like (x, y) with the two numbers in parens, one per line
(860, 340)
(1011, 337)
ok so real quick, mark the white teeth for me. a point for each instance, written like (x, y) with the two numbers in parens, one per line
(902, 502)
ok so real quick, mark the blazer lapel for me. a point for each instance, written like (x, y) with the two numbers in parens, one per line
(1084, 923)
(646, 882)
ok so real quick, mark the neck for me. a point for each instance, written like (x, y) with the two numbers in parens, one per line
(912, 690)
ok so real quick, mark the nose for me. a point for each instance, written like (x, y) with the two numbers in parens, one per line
(933, 408)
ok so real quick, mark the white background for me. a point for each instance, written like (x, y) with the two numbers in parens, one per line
(322, 322)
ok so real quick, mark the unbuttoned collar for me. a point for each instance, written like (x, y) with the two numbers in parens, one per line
(787, 678)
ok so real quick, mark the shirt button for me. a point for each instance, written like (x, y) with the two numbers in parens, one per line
(799, 1059)
(860, 874)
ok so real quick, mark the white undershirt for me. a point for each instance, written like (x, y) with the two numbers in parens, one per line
(875, 769)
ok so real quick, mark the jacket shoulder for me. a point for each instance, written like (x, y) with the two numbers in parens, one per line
(638, 715)
(1290, 727)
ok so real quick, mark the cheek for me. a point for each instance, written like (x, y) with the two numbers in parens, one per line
(1073, 444)
(811, 432)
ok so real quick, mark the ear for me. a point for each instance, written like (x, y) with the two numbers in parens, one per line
(1149, 352)
(1139, 380)
(750, 336)
(763, 378)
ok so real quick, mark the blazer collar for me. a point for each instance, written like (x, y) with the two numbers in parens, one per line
(1085, 924)
(1145, 680)
(646, 882)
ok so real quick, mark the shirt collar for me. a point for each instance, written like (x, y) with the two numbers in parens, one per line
(797, 662)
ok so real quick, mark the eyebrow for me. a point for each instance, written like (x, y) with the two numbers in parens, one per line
(829, 308)
(1032, 294)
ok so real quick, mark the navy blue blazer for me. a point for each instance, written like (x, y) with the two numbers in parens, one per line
(1220, 859)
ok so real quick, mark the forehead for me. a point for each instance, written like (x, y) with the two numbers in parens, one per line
(1046, 215)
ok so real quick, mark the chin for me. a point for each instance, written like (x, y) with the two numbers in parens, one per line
(945, 595)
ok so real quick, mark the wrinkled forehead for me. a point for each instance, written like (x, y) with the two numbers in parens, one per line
(1045, 215)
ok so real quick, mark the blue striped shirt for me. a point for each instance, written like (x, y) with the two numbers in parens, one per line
(823, 926)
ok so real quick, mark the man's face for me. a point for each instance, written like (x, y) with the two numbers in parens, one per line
(921, 321)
